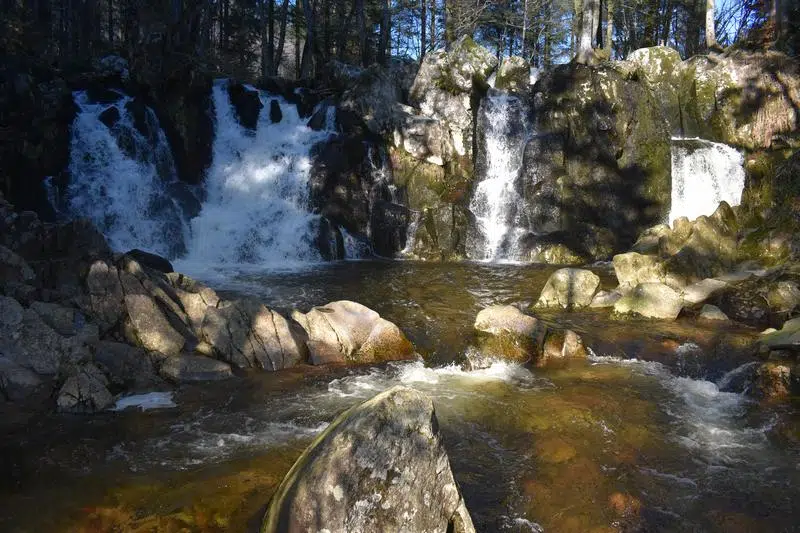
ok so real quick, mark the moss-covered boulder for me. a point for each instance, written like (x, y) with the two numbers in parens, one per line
(513, 74)
(607, 154)
(661, 68)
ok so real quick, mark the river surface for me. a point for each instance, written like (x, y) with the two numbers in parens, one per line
(650, 434)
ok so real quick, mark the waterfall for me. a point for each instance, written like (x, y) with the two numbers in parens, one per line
(122, 176)
(256, 210)
(503, 121)
(704, 173)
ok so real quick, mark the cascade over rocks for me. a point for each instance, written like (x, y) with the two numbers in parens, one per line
(379, 466)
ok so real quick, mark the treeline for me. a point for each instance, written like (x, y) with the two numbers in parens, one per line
(294, 38)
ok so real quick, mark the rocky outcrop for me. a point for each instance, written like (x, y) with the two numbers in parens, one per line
(348, 332)
(380, 466)
(85, 392)
(513, 74)
(569, 288)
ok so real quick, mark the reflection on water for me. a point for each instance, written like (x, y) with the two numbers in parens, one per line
(602, 445)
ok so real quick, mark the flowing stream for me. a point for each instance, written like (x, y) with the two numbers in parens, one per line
(609, 444)
(704, 173)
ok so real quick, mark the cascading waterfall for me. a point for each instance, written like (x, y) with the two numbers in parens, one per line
(256, 209)
(495, 203)
(123, 175)
(704, 173)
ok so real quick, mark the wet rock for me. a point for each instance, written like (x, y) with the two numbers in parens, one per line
(605, 299)
(110, 117)
(788, 338)
(275, 113)
(777, 380)
(505, 333)
(652, 300)
(389, 228)
(189, 368)
(247, 104)
(712, 312)
(146, 259)
(16, 382)
(569, 288)
(249, 335)
(560, 345)
(346, 331)
(85, 392)
(501, 319)
(380, 466)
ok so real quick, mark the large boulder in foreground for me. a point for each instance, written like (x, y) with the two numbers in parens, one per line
(569, 288)
(380, 466)
(346, 331)
(651, 300)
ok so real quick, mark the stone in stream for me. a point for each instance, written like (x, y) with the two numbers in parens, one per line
(712, 312)
(505, 333)
(380, 466)
(569, 288)
(651, 300)
(189, 368)
(560, 345)
(605, 299)
(348, 332)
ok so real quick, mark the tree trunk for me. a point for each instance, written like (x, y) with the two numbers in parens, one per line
(362, 32)
(711, 38)
(524, 26)
(432, 36)
(447, 22)
(586, 31)
(281, 36)
(296, 21)
(385, 44)
(423, 28)
(341, 40)
(307, 64)
(609, 44)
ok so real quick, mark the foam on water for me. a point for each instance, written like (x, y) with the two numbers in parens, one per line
(150, 400)
(704, 173)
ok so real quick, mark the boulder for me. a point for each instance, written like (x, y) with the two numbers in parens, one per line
(712, 312)
(105, 295)
(372, 99)
(788, 338)
(246, 103)
(632, 269)
(85, 391)
(65, 320)
(153, 261)
(346, 331)
(505, 333)
(445, 84)
(380, 466)
(128, 367)
(652, 300)
(16, 382)
(777, 380)
(249, 335)
(275, 113)
(648, 241)
(569, 288)
(784, 297)
(14, 268)
(661, 68)
(702, 290)
(560, 345)
(513, 74)
(425, 138)
(146, 326)
(605, 299)
(190, 368)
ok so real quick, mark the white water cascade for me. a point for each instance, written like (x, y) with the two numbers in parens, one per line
(121, 174)
(704, 173)
(496, 201)
(256, 209)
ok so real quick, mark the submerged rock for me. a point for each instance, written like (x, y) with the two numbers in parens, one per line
(652, 300)
(569, 288)
(380, 466)
(346, 331)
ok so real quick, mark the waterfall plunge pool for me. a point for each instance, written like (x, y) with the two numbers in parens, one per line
(609, 444)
